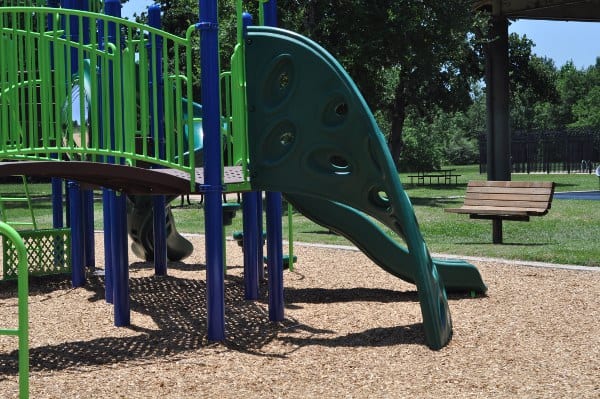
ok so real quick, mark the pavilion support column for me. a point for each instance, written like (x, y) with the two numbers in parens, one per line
(497, 93)
(498, 97)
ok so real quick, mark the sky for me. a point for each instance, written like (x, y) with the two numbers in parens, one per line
(560, 41)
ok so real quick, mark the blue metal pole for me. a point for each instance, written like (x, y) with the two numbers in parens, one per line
(106, 194)
(120, 261)
(156, 84)
(252, 235)
(108, 261)
(270, 13)
(77, 266)
(259, 226)
(274, 228)
(87, 198)
(118, 208)
(57, 203)
(159, 218)
(88, 223)
(209, 58)
(275, 256)
(77, 205)
(88, 195)
(251, 243)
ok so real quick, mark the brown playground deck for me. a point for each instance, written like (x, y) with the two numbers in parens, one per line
(129, 179)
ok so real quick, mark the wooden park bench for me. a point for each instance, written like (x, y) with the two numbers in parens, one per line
(505, 200)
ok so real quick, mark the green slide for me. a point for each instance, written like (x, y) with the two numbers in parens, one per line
(140, 212)
(140, 227)
(458, 275)
(312, 137)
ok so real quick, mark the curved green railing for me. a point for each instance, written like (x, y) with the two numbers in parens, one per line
(49, 111)
(22, 332)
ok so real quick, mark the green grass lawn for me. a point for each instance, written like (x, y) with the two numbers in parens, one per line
(567, 234)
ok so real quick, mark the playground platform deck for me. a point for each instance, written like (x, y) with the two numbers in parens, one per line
(129, 179)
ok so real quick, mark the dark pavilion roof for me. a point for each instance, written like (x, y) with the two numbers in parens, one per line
(560, 10)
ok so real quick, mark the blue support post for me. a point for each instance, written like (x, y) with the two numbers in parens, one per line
(77, 265)
(274, 228)
(120, 261)
(251, 243)
(57, 203)
(159, 218)
(259, 226)
(209, 58)
(88, 223)
(252, 225)
(270, 12)
(117, 209)
(275, 256)
(158, 124)
(77, 207)
(108, 261)
(87, 197)
(106, 194)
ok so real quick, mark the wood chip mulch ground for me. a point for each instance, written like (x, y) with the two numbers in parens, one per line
(350, 331)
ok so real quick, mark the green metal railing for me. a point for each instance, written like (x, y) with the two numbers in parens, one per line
(22, 332)
(84, 86)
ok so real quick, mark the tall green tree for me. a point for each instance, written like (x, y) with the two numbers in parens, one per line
(532, 86)
(405, 56)
(586, 107)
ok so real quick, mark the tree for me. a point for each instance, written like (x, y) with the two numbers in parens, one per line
(586, 109)
(405, 56)
(532, 86)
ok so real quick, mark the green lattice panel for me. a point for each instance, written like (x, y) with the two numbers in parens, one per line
(48, 252)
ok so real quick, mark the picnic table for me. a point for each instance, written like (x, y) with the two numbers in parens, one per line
(441, 176)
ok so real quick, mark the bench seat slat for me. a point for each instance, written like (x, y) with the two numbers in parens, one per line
(508, 191)
(510, 197)
(506, 204)
(511, 184)
(496, 210)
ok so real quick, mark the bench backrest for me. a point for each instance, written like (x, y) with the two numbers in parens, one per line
(534, 197)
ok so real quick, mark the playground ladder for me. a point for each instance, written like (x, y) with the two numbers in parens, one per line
(22, 332)
(25, 199)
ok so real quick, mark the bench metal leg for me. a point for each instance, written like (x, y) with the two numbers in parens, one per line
(497, 231)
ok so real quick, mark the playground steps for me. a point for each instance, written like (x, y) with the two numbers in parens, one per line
(25, 198)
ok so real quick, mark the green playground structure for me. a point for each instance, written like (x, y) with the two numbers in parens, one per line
(287, 119)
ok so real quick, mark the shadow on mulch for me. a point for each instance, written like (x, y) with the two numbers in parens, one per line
(375, 337)
(334, 295)
(178, 308)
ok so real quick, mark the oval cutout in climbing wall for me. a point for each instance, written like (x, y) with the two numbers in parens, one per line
(278, 142)
(279, 81)
(329, 161)
(336, 111)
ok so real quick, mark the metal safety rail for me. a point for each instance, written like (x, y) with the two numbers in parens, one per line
(22, 332)
(83, 86)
